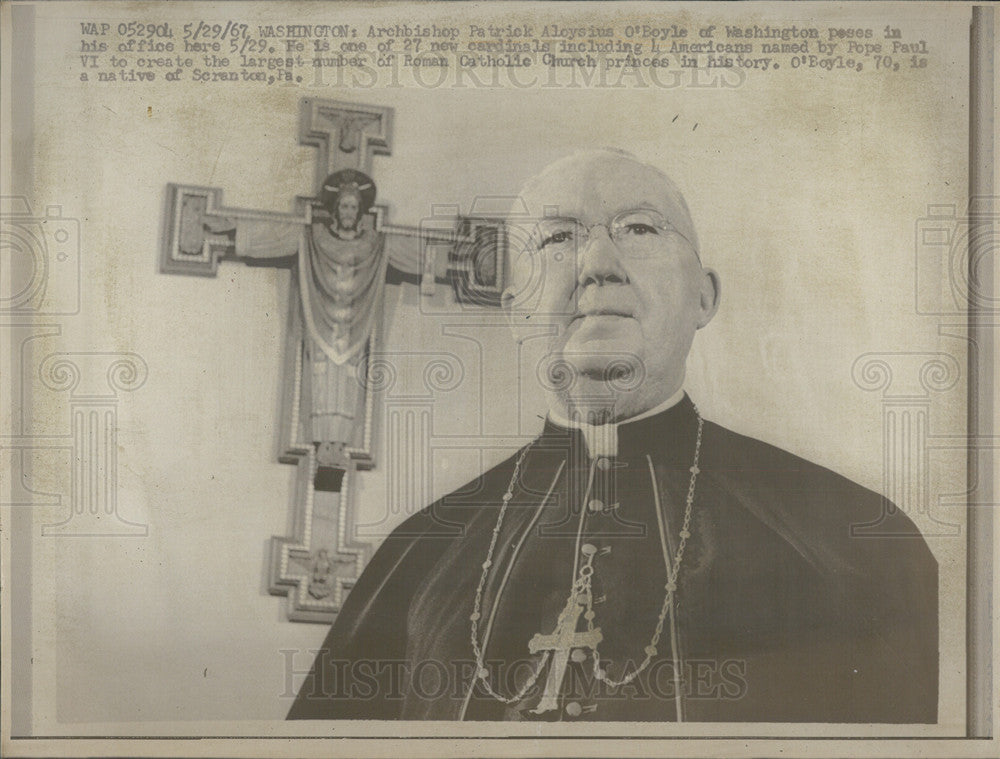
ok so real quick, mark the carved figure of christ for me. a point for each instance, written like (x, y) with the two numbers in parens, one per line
(339, 272)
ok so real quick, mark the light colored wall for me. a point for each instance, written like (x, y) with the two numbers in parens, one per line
(806, 205)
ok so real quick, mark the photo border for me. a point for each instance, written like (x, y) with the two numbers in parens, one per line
(982, 711)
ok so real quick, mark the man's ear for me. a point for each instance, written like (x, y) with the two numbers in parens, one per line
(710, 294)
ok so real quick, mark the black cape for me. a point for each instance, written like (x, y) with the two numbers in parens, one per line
(802, 597)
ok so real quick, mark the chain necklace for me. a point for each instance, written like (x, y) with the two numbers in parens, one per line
(582, 590)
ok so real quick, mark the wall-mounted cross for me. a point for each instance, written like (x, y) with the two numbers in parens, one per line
(341, 250)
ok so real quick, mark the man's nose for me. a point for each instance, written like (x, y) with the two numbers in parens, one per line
(599, 262)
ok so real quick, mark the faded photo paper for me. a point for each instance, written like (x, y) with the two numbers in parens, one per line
(517, 379)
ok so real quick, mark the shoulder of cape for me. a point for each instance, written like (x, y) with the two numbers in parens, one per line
(839, 526)
(445, 517)
(467, 501)
(410, 549)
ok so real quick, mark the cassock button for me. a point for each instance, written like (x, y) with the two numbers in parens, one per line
(603, 463)
(596, 505)
(578, 655)
(573, 709)
(588, 549)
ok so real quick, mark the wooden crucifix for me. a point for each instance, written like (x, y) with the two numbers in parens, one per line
(341, 250)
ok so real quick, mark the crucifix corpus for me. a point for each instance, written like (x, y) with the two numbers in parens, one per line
(341, 252)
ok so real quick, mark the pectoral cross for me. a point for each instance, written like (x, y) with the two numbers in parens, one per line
(327, 396)
(561, 642)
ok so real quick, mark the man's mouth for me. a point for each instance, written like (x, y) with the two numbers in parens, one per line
(602, 312)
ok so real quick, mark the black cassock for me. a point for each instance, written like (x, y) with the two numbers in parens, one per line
(801, 596)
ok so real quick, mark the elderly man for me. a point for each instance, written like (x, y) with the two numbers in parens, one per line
(634, 562)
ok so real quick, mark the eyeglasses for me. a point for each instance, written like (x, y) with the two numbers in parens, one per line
(638, 233)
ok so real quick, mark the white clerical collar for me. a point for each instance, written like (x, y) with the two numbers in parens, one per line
(602, 439)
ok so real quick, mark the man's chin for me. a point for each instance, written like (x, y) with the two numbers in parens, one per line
(593, 340)
(606, 360)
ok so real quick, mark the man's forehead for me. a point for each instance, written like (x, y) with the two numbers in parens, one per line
(598, 183)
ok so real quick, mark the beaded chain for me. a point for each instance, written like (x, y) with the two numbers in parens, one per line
(670, 587)
(481, 671)
(582, 589)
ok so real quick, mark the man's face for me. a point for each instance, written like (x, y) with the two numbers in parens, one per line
(613, 309)
(347, 211)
